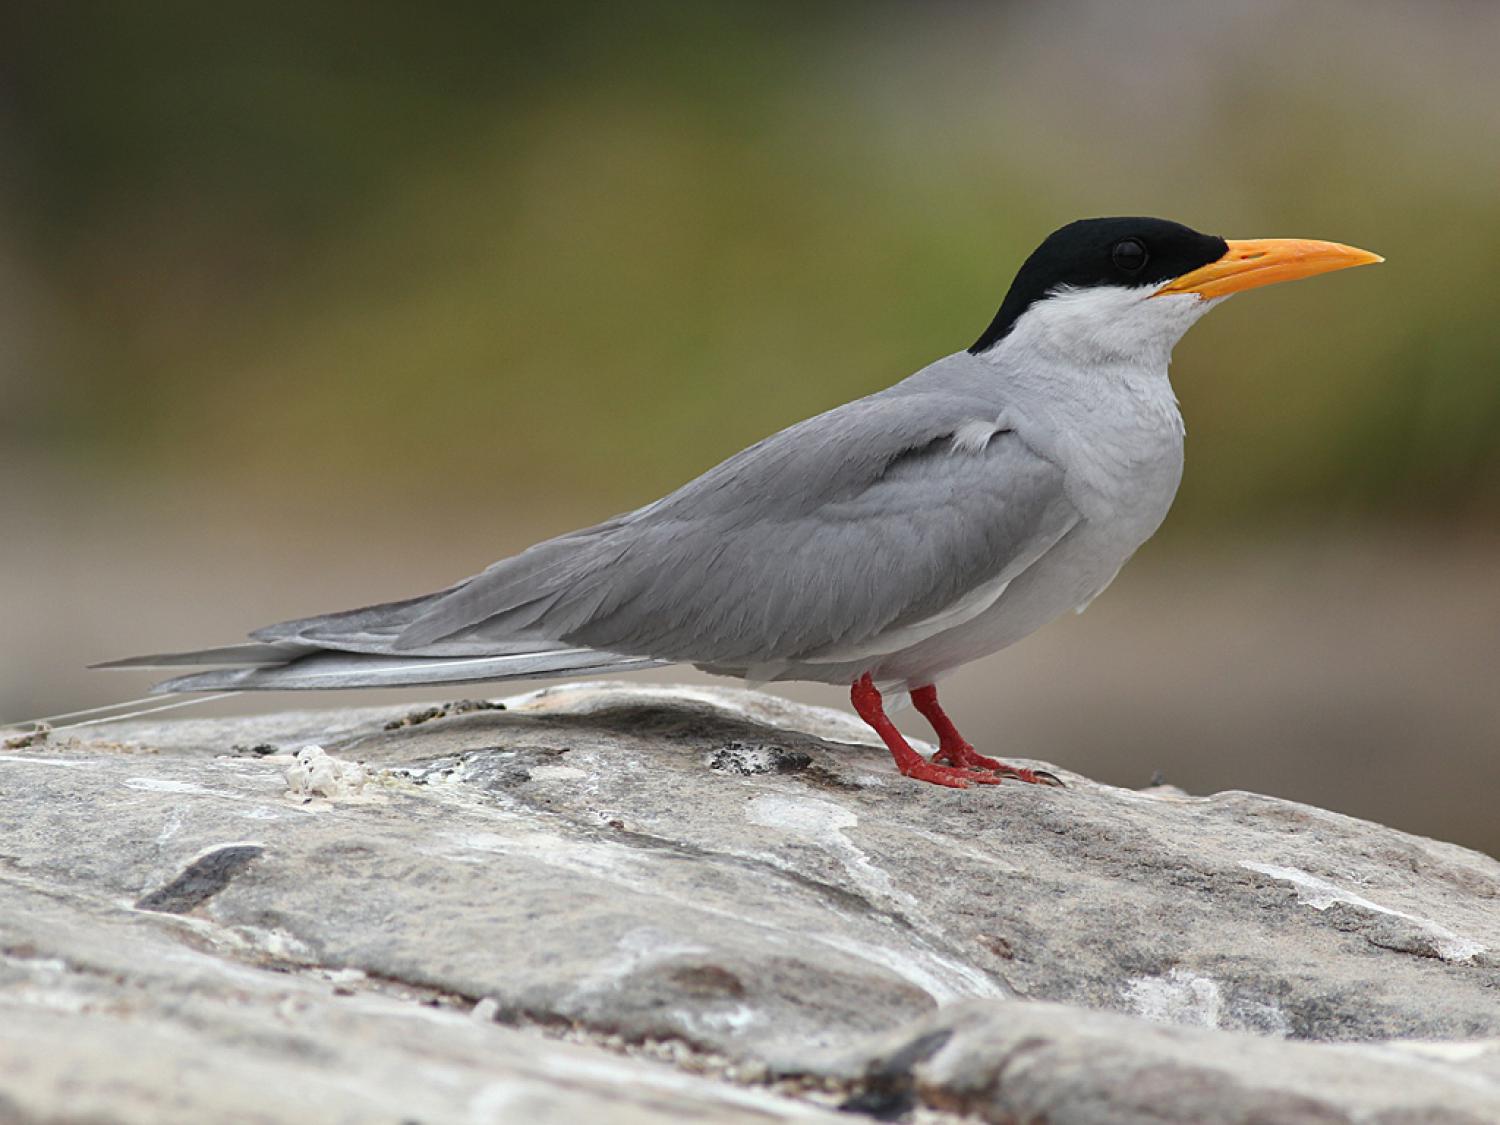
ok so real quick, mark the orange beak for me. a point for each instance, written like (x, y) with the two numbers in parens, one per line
(1252, 262)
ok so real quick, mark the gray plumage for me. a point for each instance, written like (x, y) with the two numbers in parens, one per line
(823, 550)
(851, 523)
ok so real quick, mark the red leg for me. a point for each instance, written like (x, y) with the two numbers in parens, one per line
(955, 749)
(867, 702)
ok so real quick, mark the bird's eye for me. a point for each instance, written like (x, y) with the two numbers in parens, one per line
(1129, 255)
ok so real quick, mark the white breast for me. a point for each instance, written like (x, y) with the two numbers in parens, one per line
(1116, 431)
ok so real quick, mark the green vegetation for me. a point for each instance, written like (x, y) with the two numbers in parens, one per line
(505, 249)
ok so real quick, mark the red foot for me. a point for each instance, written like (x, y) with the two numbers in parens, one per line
(960, 753)
(924, 770)
(955, 749)
(871, 709)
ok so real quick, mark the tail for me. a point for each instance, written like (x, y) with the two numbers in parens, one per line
(287, 667)
(302, 667)
(354, 650)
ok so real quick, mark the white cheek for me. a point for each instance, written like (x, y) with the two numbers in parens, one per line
(1107, 324)
(1139, 325)
(1177, 305)
(1165, 320)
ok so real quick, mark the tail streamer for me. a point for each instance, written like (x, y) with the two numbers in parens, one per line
(53, 722)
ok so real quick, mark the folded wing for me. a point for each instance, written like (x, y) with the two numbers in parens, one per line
(873, 518)
(859, 531)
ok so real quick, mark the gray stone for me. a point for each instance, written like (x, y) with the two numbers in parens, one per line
(107, 1015)
(1007, 1061)
(745, 880)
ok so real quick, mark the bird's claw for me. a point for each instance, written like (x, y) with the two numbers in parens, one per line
(964, 757)
(954, 777)
(1031, 777)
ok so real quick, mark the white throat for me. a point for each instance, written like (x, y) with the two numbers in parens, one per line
(1089, 367)
(1106, 327)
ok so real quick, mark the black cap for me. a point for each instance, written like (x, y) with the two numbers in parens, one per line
(1126, 252)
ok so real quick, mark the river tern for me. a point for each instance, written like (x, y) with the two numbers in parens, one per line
(880, 544)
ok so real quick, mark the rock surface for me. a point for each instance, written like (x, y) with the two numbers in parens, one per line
(706, 905)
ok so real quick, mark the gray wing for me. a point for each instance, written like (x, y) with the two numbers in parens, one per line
(826, 535)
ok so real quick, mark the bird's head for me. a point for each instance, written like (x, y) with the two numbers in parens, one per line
(1126, 289)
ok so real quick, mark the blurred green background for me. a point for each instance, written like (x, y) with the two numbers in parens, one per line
(302, 306)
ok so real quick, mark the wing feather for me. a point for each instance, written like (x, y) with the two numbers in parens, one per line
(864, 520)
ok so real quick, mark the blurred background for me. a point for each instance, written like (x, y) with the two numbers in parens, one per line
(306, 306)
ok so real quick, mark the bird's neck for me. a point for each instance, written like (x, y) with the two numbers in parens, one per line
(1111, 420)
(1105, 329)
(1098, 358)
(1135, 389)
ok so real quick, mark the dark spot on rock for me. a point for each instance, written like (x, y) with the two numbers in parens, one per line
(413, 718)
(825, 778)
(508, 778)
(998, 946)
(465, 706)
(746, 758)
(457, 707)
(618, 825)
(707, 980)
(259, 750)
(201, 880)
(920, 1049)
(890, 1089)
(881, 1103)
(421, 773)
(29, 739)
(500, 767)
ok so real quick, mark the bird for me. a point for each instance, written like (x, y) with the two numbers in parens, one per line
(878, 545)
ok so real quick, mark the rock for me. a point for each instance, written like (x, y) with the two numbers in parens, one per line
(109, 1016)
(727, 881)
(1033, 1061)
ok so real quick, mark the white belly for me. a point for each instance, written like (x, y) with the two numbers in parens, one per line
(1070, 575)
